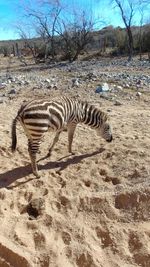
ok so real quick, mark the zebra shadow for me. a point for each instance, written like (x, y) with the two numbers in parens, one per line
(9, 177)
(62, 164)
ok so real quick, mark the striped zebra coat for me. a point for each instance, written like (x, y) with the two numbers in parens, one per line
(39, 116)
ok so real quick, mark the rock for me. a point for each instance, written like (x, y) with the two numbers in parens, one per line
(138, 82)
(104, 95)
(102, 88)
(127, 85)
(98, 90)
(55, 87)
(91, 76)
(138, 94)
(2, 85)
(1, 100)
(12, 255)
(9, 81)
(12, 79)
(117, 103)
(47, 81)
(119, 87)
(52, 86)
(36, 87)
(105, 87)
(12, 91)
(49, 86)
(26, 82)
(75, 82)
(20, 82)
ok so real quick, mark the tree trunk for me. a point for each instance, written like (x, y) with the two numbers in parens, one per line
(140, 45)
(76, 55)
(17, 50)
(130, 43)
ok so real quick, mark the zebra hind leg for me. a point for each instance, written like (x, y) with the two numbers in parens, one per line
(33, 147)
(71, 130)
(56, 138)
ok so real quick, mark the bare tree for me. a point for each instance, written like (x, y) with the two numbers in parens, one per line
(141, 10)
(82, 34)
(44, 19)
(73, 29)
(127, 17)
(142, 6)
(70, 30)
(75, 35)
(45, 27)
(28, 42)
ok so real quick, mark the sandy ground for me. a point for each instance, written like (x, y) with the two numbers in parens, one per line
(91, 209)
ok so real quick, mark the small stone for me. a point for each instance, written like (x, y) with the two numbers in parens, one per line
(9, 82)
(138, 94)
(2, 85)
(138, 82)
(102, 88)
(98, 90)
(12, 91)
(119, 87)
(75, 82)
(26, 82)
(49, 86)
(1, 100)
(117, 103)
(12, 79)
(47, 81)
(127, 85)
(55, 87)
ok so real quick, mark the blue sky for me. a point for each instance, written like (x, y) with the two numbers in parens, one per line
(11, 12)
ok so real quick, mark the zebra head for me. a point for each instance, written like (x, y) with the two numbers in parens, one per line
(105, 131)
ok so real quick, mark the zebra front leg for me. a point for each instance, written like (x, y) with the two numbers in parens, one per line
(71, 130)
(33, 147)
(56, 138)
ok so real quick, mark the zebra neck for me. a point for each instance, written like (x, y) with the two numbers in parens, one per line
(92, 116)
(87, 113)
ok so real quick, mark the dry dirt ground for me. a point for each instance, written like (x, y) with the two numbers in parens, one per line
(91, 209)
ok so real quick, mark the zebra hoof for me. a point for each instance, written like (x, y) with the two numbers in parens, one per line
(72, 153)
(36, 174)
(48, 154)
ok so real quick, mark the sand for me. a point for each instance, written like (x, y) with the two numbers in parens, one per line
(91, 209)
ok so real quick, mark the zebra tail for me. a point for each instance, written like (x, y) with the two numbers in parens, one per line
(13, 135)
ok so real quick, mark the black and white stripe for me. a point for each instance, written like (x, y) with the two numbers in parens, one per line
(39, 116)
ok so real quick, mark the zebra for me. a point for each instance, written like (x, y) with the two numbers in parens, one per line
(40, 116)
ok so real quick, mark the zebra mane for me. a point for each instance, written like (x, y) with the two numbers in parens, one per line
(102, 115)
